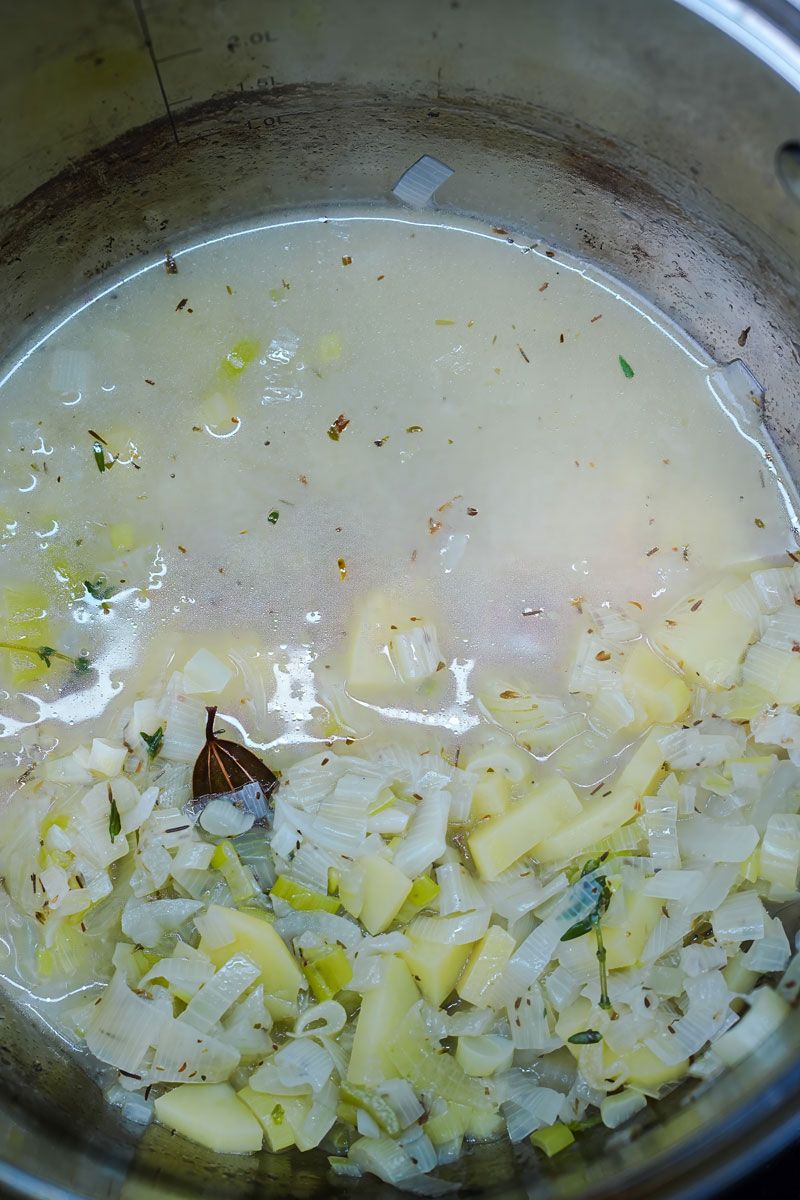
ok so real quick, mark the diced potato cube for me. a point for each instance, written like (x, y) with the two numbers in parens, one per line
(491, 795)
(654, 685)
(706, 636)
(497, 843)
(385, 889)
(106, 758)
(435, 966)
(382, 1010)
(645, 766)
(601, 817)
(484, 1054)
(625, 943)
(280, 1116)
(369, 662)
(488, 959)
(204, 673)
(604, 814)
(211, 1114)
(258, 941)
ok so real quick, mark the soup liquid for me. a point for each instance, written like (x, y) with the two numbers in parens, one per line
(241, 445)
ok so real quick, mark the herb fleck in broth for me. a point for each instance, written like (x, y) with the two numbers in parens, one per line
(443, 505)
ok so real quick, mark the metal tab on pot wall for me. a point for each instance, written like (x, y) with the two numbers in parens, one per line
(419, 183)
(738, 393)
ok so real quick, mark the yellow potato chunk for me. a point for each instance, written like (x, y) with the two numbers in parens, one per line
(497, 843)
(625, 943)
(382, 1010)
(706, 636)
(385, 889)
(257, 940)
(488, 959)
(649, 682)
(603, 815)
(491, 796)
(435, 966)
(212, 1115)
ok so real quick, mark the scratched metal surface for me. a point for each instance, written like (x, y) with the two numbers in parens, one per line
(644, 142)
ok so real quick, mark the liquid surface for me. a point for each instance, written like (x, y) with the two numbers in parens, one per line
(457, 534)
(514, 433)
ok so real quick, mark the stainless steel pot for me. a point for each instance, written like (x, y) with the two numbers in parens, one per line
(655, 140)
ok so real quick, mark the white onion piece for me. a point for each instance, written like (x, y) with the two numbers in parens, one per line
(770, 953)
(780, 850)
(767, 1011)
(739, 918)
(146, 921)
(223, 819)
(700, 837)
(403, 1100)
(617, 1109)
(207, 1007)
(121, 1028)
(330, 927)
(329, 1018)
(458, 930)
(459, 892)
(303, 1061)
(425, 841)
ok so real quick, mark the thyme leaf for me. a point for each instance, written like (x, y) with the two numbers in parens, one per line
(588, 1037)
(114, 822)
(153, 742)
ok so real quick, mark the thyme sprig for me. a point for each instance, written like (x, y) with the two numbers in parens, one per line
(592, 922)
(47, 654)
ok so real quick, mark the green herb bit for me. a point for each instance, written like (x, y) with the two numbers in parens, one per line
(759, 523)
(415, 429)
(273, 517)
(627, 369)
(114, 822)
(46, 654)
(99, 457)
(99, 590)
(588, 1037)
(277, 1114)
(592, 922)
(153, 742)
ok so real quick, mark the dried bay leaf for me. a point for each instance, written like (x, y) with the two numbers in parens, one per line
(226, 768)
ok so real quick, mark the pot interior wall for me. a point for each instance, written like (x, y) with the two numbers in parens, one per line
(646, 146)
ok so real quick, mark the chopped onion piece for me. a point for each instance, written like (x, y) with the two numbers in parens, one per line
(223, 819)
(326, 1018)
(739, 918)
(780, 850)
(767, 1010)
(425, 841)
(458, 930)
(122, 1026)
(146, 921)
(615, 1110)
(212, 1001)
